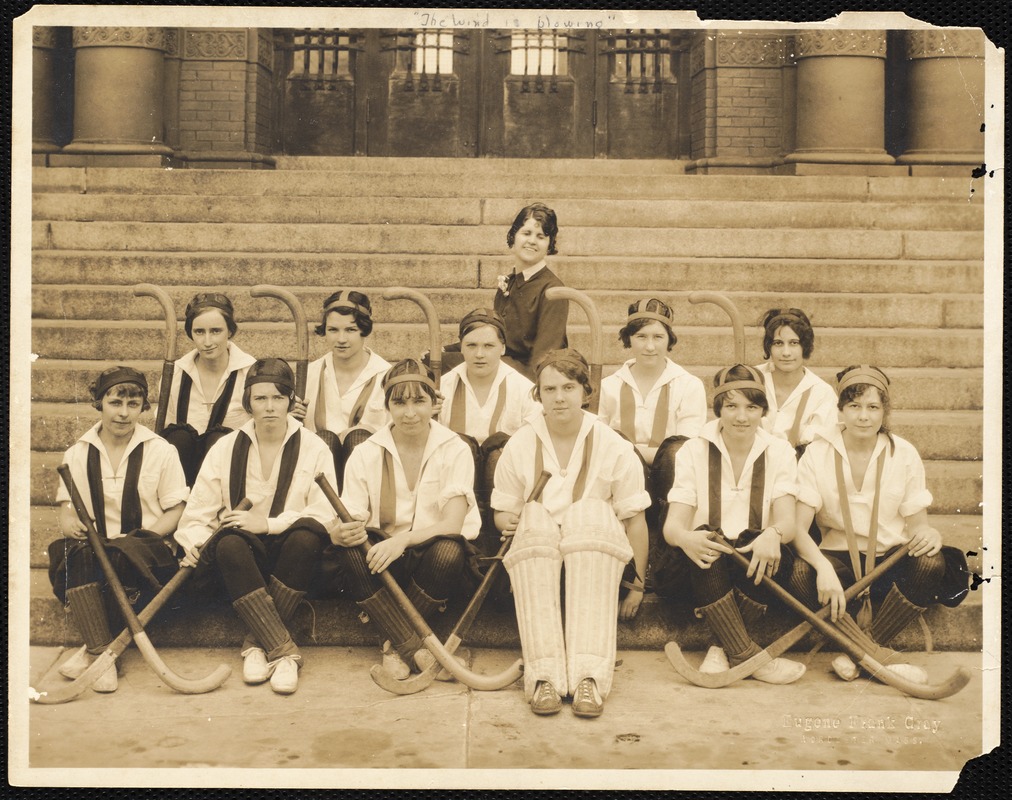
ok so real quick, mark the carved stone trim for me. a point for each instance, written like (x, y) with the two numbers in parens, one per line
(943, 44)
(150, 38)
(265, 49)
(215, 44)
(172, 42)
(702, 53)
(45, 37)
(750, 50)
(841, 43)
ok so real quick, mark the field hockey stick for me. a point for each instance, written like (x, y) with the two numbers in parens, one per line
(596, 335)
(169, 364)
(301, 332)
(431, 319)
(731, 310)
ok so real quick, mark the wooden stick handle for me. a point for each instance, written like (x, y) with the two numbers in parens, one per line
(168, 365)
(583, 300)
(301, 331)
(731, 310)
(431, 319)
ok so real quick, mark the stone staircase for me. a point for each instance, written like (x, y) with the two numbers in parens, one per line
(890, 271)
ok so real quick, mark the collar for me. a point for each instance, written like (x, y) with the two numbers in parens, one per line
(671, 372)
(833, 435)
(541, 430)
(808, 380)
(376, 365)
(530, 272)
(711, 433)
(438, 436)
(141, 434)
(237, 359)
(249, 428)
(460, 371)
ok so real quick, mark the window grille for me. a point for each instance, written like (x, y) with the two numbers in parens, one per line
(641, 59)
(538, 54)
(423, 58)
(322, 55)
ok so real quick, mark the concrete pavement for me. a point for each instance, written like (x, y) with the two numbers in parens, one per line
(339, 720)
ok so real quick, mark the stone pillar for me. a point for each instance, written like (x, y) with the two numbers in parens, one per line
(45, 42)
(118, 85)
(841, 104)
(170, 93)
(945, 101)
(737, 105)
(225, 92)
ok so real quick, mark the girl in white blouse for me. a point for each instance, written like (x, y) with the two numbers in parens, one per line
(800, 401)
(410, 487)
(865, 487)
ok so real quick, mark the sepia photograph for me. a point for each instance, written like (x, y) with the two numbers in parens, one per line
(366, 367)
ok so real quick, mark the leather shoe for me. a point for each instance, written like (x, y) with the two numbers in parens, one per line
(393, 664)
(779, 671)
(715, 661)
(74, 667)
(107, 682)
(546, 700)
(587, 701)
(254, 666)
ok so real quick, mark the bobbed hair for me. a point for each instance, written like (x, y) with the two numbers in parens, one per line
(126, 390)
(210, 301)
(795, 319)
(362, 321)
(408, 390)
(656, 306)
(740, 372)
(571, 364)
(856, 390)
(544, 216)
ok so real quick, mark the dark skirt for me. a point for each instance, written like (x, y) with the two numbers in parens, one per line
(141, 559)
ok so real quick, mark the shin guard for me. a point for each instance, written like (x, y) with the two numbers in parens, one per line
(534, 564)
(895, 613)
(595, 550)
(724, 620)
(286, 599)
(258, 611)
(751, 610)
(423, 603)
(393, 623)
(88, 610)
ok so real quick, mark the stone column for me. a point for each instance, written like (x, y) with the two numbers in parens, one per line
(45, 41)
(118, 86)
(841, 104)
(945, 96)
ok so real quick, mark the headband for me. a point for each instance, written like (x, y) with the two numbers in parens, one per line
(485, 316)
(738, 385)
(209, 300)
(116, 376)
(271, 370)
(569, 356)
(347, 305)
(873, 376)
(650, 315)
(410, 377)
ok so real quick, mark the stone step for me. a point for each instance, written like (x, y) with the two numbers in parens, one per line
(336, 622)
(440, 178)
(963, 532)
(955, 485)
(117, 302)
(63, 381)
(480, 166)
(423, 271)
(885, 347)
(945, 435)
(662, 213)
(815, 243)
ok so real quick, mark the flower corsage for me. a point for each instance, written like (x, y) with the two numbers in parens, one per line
(504, 282)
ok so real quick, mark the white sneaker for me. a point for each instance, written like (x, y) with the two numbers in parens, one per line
(715, 661)
(910, 672)
(107, 682)
(780, 671)
(394, 665)
(285, 674)
(424, 659)
(255, 669)
(844, 668)
(74, 667)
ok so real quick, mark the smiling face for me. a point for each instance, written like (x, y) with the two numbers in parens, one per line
(739, 418)
(530, 244)
(209, 333)
(561, 397)
(786, 351)
(863, 415)
(343, 336)
(120, 412)
(268, 406)
(649, 343)
(482, 351)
